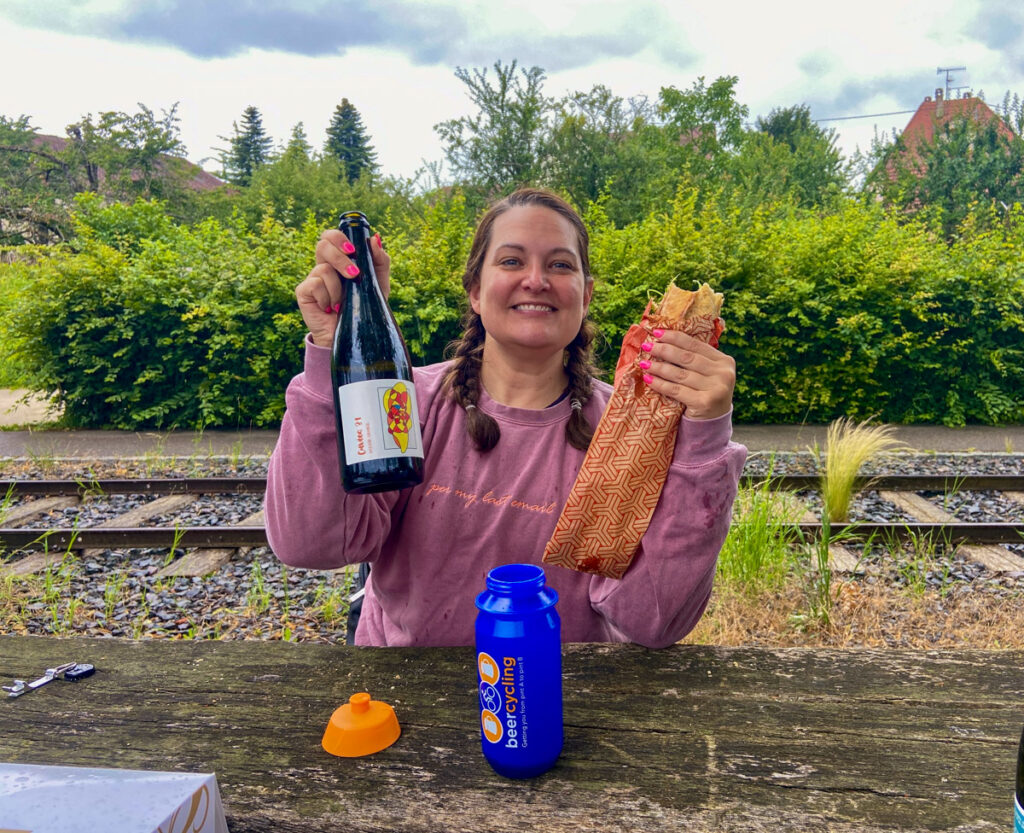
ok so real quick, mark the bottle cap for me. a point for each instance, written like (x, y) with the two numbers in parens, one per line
(361, 727)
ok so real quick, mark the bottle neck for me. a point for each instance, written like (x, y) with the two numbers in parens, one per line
(516, 580)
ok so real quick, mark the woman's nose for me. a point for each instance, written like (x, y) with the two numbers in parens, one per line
(536, 278)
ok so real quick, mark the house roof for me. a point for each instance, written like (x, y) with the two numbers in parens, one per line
(937, 112)
(198, 179)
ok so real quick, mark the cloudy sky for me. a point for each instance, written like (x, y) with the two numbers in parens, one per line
(396, 59)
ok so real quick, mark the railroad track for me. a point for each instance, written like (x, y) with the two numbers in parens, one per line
(209, 546)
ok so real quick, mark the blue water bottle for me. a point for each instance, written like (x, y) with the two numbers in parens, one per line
(519, 671)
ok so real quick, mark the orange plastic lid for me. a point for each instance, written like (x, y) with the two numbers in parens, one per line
(361, 727)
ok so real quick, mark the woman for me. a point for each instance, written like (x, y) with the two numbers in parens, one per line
(505, 425)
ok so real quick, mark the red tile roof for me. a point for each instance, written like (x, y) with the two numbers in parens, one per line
(935, 113)
(198, 179)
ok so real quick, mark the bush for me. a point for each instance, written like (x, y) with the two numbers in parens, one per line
(844, 314)
(140, 322)
(148, 324)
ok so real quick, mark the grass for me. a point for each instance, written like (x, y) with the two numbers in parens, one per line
(865, 615)
(758, 551)
(848, 446)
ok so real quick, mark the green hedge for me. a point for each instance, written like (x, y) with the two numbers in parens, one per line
(142, 323)
(845, 314)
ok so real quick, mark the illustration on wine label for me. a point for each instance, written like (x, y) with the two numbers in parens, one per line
(396, 405)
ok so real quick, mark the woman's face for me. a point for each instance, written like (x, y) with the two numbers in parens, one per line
(532, 293)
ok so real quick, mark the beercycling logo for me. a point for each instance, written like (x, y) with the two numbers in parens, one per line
(499, 703)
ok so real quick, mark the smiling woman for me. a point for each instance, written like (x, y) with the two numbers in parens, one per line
(505, 426)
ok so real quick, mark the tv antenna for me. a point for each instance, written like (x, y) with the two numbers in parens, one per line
(949, 77)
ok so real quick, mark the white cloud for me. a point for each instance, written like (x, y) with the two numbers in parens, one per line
(400, 75)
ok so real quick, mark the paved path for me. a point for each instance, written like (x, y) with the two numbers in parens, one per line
(112, 444)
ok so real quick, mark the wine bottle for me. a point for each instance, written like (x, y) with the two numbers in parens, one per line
(379, 443)
(1018, 803)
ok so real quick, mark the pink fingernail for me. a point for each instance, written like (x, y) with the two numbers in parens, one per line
(646, 365)
(327, 309)
(648, 378)
(352, 270)
(380, 243)
(657, 333)
(347, 248)
(337, 308)
(646, 347)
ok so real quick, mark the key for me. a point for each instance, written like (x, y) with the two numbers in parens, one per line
(79, 672)
(21, 687)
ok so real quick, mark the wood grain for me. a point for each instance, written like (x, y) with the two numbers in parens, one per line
(690, 738)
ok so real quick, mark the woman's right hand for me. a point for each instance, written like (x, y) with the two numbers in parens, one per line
(319, 295)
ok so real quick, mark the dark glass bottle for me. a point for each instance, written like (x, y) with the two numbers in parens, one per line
(379, 442)
(519, 671)
(1018, 804)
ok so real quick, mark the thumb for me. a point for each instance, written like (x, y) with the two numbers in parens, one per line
(381, 264)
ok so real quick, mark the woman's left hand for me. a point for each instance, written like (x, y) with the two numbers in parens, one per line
(693, 373)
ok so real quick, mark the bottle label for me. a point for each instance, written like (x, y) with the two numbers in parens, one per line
(503, 716)
(379, 419)
(1018, 817)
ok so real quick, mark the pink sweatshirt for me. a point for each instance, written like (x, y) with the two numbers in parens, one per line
(431, 546)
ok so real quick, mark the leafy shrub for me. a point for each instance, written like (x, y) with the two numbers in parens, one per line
(146, 324)
(140, 322)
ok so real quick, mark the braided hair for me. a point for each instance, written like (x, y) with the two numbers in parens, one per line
(463, 378)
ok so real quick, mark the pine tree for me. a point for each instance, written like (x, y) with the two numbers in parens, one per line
(348, 143)
(298, 144)
(249, 148)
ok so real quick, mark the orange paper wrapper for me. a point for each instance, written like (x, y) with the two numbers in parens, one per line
(619, 484)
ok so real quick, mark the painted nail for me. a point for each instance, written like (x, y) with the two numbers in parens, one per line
(646, 347)
(328, 310)
(646, 365)
(352, 270)
(648, 378)
(380, 243)
(337, 308)
(657, 333)
(348, 248)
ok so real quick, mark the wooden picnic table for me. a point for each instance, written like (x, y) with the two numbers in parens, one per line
(689, 738)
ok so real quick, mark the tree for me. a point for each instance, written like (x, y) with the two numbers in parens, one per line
(502, 145)
(298, 144)
(706, 120)
(249, 148)
(967, 163)
(120, 156)
(348, 143)
(789, 155)
(36, 184)
(128, 156)
(594, 149)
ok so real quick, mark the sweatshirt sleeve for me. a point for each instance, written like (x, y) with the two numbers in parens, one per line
(665, 590)
(310, 520)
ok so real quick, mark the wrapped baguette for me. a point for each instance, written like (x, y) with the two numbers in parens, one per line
(619, 484)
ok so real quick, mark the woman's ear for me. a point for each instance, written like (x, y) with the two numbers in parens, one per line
(474, 297)
(588, 293)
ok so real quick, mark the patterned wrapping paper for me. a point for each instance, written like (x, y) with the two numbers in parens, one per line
(619, 484)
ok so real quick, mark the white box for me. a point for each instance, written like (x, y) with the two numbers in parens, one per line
(66, 799)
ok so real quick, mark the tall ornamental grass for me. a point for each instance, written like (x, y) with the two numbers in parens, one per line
(848, 446)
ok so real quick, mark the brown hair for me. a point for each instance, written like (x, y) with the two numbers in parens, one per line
(463, 379)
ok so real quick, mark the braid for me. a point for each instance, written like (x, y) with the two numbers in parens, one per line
(463, 381)
(581, 370)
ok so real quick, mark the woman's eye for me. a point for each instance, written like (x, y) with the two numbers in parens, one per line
(509, 261)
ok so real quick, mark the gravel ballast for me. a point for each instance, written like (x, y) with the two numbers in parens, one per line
(118, 593)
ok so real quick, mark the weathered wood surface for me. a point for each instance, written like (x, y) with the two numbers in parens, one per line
(690, 738)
